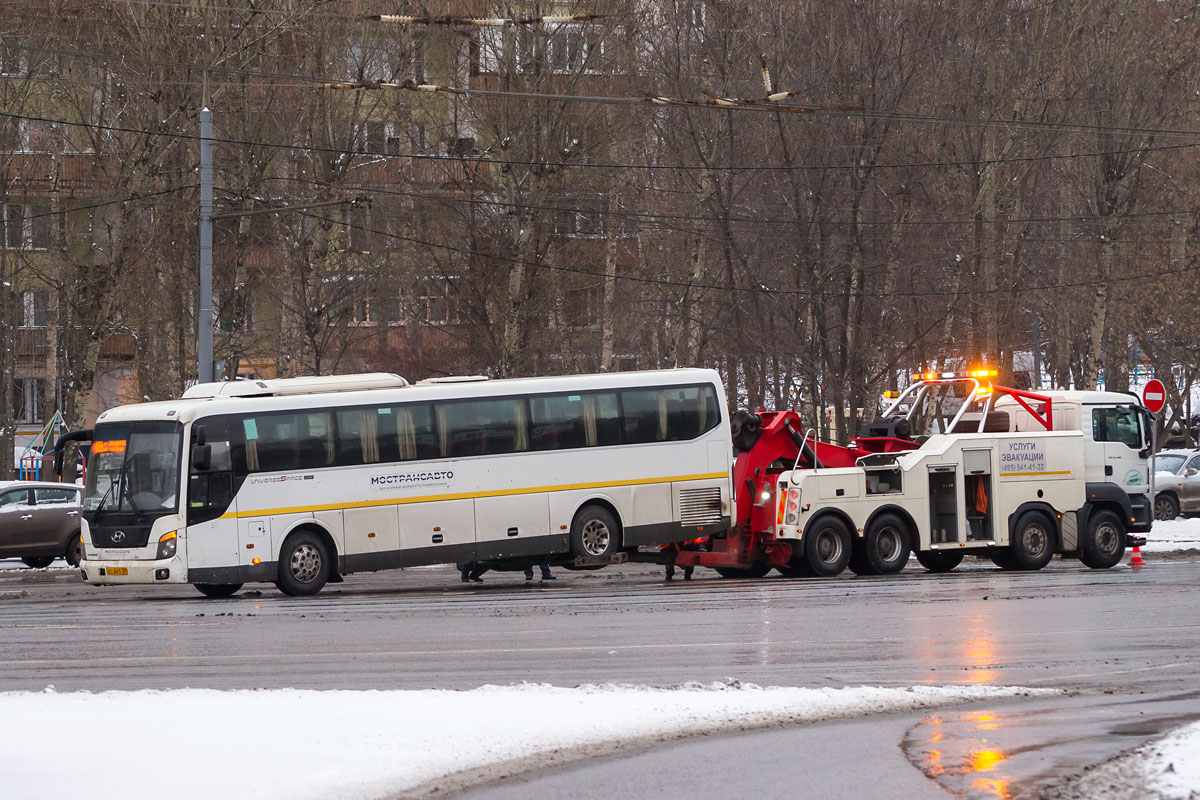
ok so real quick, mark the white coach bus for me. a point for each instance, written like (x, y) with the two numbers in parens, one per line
(302, 481)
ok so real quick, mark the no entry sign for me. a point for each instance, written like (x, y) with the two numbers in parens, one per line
(1154, 396)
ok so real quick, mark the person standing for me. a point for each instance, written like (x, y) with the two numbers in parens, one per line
(545, 568)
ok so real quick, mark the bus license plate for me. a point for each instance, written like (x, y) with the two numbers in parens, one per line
(117, 571)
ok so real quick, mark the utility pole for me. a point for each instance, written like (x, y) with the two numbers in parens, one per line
(204, 315)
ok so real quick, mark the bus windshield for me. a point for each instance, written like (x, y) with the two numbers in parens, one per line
(133, 468)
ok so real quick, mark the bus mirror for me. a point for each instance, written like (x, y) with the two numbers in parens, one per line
(199, 436)
(201, 457)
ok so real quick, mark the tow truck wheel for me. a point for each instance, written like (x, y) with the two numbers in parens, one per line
(858, 561)
(1032, 541)
(939, 560)
(755, 571)
(827, 547)
(1166, 507)
(796, 568)
(1002, 558)
(885, 546)
(1104, 543)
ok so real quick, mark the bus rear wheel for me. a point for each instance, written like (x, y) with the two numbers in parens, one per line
(1104, 543)
(939, 560)
(303, 564)
(594, 533)
(218, 590)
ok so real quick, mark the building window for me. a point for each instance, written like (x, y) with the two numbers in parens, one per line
(585, 217)
(27, 401)
(43, 136)
(432, 302)
(33, 309)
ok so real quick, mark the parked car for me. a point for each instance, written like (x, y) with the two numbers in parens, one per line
(39, 522)
(1176, 483)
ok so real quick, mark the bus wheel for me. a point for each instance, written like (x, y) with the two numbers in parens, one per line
(827, 547)
(74, 552)
(218, 589)
(1104, 543)
(1032, 544)
(38, 562)
(885, 546)
(939, 560)
(594, 533)
(1166, 507)
(303, 564)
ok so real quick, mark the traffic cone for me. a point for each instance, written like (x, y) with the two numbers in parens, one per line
(1135, 559)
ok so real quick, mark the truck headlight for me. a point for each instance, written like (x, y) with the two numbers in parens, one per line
(166, 546)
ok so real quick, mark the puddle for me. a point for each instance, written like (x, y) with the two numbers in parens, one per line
(1005, 753)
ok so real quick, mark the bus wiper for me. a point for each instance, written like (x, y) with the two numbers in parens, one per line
(133, 505)
(103, 500)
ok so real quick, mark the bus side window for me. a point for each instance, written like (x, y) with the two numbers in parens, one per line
(644, 415)
(483, 427)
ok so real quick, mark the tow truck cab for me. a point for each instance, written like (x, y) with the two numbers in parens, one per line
(1116, 436)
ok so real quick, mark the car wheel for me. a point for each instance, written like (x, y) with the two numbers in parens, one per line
(38, 562)
(303, 564)
(74, 552)
(1166, 507)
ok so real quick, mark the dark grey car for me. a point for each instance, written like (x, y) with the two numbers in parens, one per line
(39, 522)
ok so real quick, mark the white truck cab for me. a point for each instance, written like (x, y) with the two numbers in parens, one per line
(1116, 435)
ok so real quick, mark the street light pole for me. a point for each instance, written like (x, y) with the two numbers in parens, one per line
(204, 315)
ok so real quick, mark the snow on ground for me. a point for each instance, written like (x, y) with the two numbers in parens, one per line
(1173, 535)
(1167, 769)
(355, 745)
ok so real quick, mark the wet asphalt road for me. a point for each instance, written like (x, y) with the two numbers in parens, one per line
(1126, 644)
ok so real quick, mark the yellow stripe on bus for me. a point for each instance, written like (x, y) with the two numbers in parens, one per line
(395, 501)
(1010, 474)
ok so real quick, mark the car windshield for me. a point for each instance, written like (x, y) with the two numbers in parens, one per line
(1168, 462)
(134, 467)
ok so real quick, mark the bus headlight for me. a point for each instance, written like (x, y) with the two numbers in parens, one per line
(166, 546)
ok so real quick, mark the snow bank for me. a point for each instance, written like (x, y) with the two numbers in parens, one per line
(1173, 535)
(365, 744)
(1168, 769)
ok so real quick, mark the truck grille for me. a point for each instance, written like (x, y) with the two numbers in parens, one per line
(700, 506)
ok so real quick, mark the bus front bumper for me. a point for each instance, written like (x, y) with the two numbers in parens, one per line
(103, 572)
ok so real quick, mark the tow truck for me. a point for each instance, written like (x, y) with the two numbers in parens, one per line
(954, 465)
